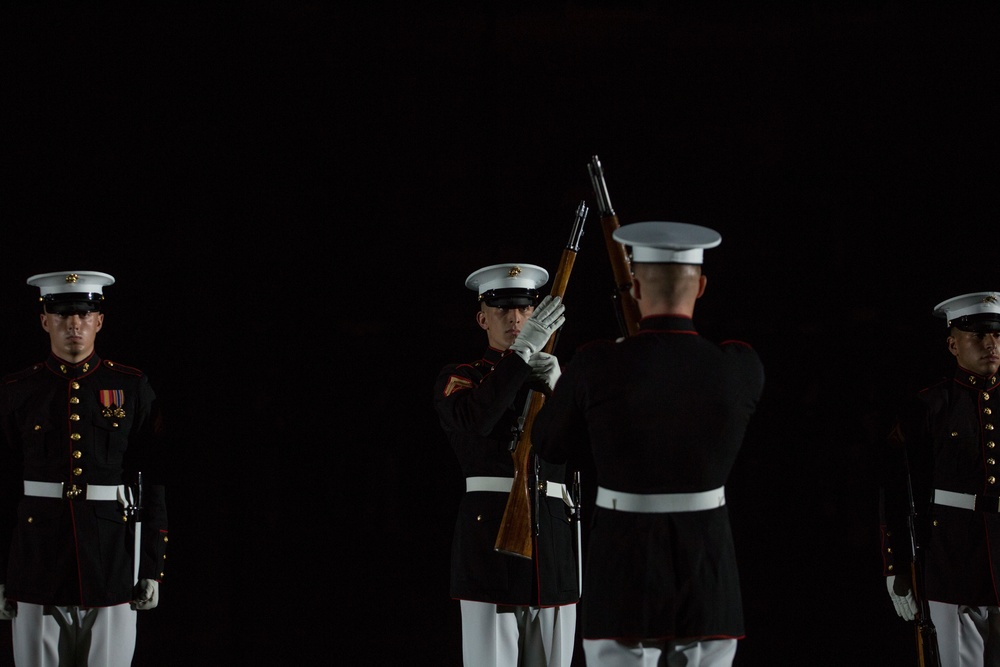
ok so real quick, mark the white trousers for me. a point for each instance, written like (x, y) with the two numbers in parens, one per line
(502, 636)
(613, 653)
(48, 636)
(967, 636)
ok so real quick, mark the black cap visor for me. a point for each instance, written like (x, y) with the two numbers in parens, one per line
(981, 323)
(74, 303)
(512, 297)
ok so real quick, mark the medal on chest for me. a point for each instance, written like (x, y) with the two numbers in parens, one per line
(112, 400)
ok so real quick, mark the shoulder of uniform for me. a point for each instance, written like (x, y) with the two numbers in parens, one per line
(121, 368)
(475, 369)
(600, 343)
(940, 385)
(935, 396)
(597, 347)
(448, 369)
(21, 374)
(741, 349)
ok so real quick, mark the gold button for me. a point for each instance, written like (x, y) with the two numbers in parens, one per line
(38, 427)
(74, 384)
(77, 471)
(991, 462)
(165, 539)
(114, 424)
(989, 427)
(62, 367)
(934, 522)
(954, 434)
(125, 518)
(987, 411)
(888, 550)
(77, 453)
(74, 400)
(479, 517)
(31, 519)
(986, 395)
(74, 417)
(889, 568)
(74, 436)
(991, 479)
(991, 444)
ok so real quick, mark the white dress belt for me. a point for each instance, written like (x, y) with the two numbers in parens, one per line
(966, 501)
(503, 485)
(659, 503)
(93, 491)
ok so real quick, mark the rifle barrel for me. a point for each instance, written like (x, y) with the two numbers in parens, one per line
(600, 187)
(626, 309)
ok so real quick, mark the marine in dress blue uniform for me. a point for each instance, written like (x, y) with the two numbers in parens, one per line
(515, 611)
(944, 446)
(663, 414)
(76, 432)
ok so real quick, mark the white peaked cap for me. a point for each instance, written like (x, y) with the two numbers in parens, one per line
(74, 282)
(508, 284)
(976, 311)
(667, 242)
(63, 291)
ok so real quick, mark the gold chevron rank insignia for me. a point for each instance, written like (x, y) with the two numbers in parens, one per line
(455, 383)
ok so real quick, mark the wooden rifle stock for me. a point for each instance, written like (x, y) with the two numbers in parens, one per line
(516, 528)
(626, 308)
(926, 634)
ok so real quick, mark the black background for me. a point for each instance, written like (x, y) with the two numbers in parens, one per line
(290, 196)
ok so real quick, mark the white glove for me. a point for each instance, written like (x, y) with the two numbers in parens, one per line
(147, 594)
(7, 609)
(545, 368)
(547, 317)
(906, 605)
